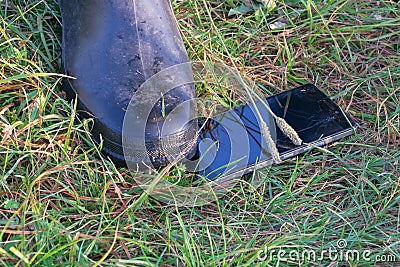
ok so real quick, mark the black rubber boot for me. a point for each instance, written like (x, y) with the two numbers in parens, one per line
(112, 47)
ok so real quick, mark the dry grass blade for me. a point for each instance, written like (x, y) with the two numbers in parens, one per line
(288, 131)
(265, 132)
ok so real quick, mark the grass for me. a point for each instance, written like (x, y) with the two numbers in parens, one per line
(64, 204)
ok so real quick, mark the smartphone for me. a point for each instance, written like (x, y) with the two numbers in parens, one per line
(232, 145)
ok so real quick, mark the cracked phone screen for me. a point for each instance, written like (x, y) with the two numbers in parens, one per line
(234, 143)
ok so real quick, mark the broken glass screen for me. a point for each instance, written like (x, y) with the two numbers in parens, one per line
(233, 145)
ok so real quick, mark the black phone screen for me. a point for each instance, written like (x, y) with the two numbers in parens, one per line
(233, 144)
